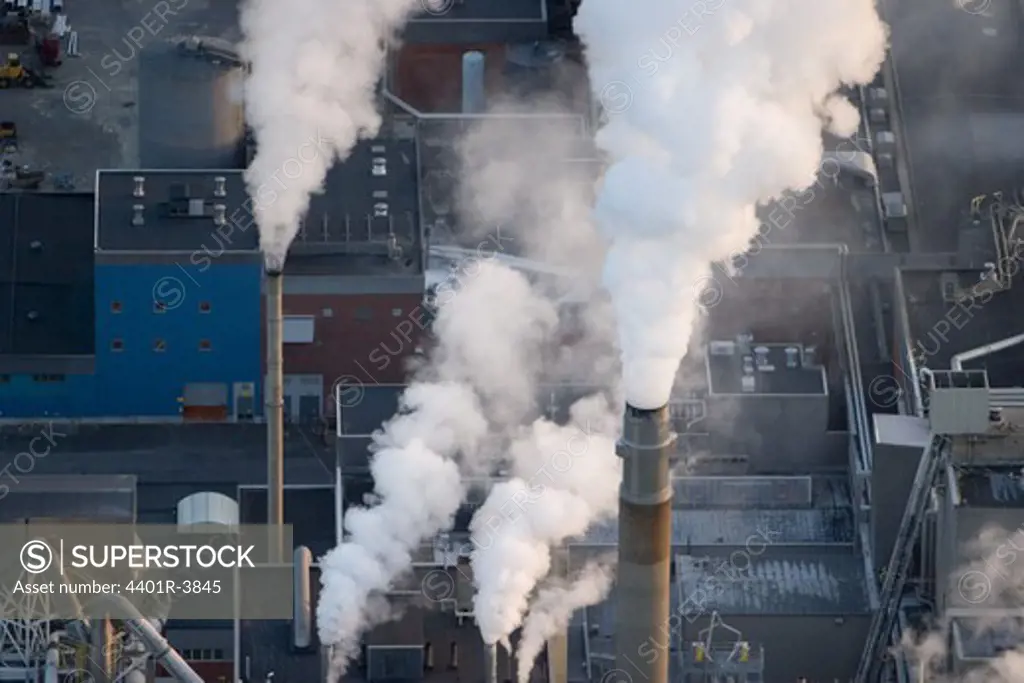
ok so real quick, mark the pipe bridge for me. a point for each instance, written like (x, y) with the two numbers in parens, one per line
(835, 261)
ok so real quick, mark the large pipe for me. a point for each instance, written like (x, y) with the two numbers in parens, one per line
(645, 546)
(302, 616)
(161, 649)
(274, 404)
(52, 671)
(474, 82)
(957, 361)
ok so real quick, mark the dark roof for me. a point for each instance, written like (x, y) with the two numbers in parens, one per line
(169, 226)
(376, 405)
(985, 637)
(941, 329)
(961, 118)
(478, 21)
(100, 498)
(309, 511)
(351, 212)
(46, 274)
(725, 371)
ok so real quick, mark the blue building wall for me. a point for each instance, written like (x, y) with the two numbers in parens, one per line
(159, 328)
(40, 396)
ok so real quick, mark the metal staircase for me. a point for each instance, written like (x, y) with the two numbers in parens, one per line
(895, 580)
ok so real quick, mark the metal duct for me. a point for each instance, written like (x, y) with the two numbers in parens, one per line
(52, 671)
(275, 406)
(302, 618)
(645, 546)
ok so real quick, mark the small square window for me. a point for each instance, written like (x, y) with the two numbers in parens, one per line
(364, 313)
(115, 306)
(396, 312)
(218, 655)
(204, 306)
(159, 345)
(117, 345)
(204, 345)
(159, 307)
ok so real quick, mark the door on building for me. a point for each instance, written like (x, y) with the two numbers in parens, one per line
(245, 402)
(205, 401)
(303, 397)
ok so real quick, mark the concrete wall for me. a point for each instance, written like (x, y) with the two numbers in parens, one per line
(892, 477)
(818, 648)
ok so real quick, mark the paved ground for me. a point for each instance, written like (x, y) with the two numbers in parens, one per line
(962, 99)
(89, 119)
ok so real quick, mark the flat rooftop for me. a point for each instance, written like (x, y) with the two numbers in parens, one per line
(46, 274)
(963, 119)
(940, 329)
(770, 369)
(811, 584)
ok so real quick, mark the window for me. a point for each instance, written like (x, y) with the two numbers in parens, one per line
(396, 312)
(204, 306)
(204, 345)
(159, 307)
(364, 313)
(299, 329)
(48, 379)
(159, 346)
(117, 345)
(115, 307)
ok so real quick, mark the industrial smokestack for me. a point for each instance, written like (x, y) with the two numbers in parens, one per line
(490, 663)
(645, 546)
(274, 403)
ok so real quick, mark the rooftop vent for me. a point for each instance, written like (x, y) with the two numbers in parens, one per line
(36, 245)
(138, 219)
(792, 357)
(380, 166)
(196, 207)
(380, 210)
(140, 186)
(218, 214)
(33, 315)
(218, 187)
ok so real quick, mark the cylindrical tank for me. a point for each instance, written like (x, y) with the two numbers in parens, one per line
(190, 110)
(474, 84)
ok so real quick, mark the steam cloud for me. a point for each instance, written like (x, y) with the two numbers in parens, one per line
(553, 607)
(314, 71)
(713, 107)
(422, 454)
(563, 480)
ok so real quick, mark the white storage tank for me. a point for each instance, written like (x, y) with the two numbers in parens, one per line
(207, 512)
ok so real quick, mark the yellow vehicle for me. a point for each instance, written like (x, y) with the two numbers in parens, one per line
(13, 72)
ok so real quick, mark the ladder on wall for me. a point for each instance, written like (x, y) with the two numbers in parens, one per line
(895, 581)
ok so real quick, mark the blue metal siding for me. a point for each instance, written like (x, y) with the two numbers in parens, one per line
(137, 379)
(23, 396)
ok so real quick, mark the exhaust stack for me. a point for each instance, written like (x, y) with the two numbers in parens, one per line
(645, 545)
(490, 663)
(274, 405)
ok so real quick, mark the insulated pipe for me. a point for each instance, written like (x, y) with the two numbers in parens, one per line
(52, 671)
(957, 362)
(490, 663)
(645, 545)
(274, 404)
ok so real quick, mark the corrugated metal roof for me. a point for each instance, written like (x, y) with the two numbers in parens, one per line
(739, 527)
(823, 584)
(741, 492)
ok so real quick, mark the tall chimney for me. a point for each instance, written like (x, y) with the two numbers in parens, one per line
(274, 402)
(645, 544)
(490, 663)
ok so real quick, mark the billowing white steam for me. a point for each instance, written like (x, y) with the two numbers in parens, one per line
(552, 609)
(309, 97)
(441, 427)
(713, 107)
(563, 480)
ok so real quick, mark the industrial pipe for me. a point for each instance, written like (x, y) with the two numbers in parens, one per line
(274, 403)
(645, 545)
(957, 361)
(52, 671)
(490, 663)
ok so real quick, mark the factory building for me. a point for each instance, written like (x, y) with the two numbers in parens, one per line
(354, 280)
(177, 281)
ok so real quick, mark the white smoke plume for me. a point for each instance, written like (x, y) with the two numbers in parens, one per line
(552, 609)
(423, 453)
(563, 480)
(712, 108)
(309, 97)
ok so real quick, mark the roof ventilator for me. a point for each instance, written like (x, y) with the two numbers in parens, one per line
(218, 214)
(218, 187)
(196, 208)
(138, 219)
(140, 186)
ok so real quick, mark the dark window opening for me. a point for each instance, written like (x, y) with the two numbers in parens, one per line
(159, 307)
(204, 345)
(115, 306)
(117, 345)
(47, 379)
(204, 306)
(159, 345)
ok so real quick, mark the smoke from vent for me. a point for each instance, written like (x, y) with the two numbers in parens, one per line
(314, 69)
(712, 109)
(552, 609)
(563, 480)
(440, 433)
